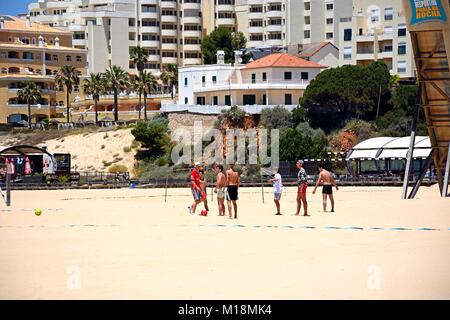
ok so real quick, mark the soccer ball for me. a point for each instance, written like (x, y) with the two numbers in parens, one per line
(204, 213)
(37, 212)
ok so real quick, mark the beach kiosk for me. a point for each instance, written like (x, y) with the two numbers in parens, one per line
(428, 22)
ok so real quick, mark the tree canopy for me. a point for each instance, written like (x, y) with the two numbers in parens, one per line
(349, 91)
(222, 38)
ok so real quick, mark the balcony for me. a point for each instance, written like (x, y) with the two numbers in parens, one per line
(172, 19)
(150, 43)
(169, 60)
(192, 20)
(169, 32)
(192, 34)
(255, 16)
(168, 4)
(365, 38)
(274, 28)
(274, 42)
(225, 7)
(255, 2)
(255, 30)
(209, 109)
(169, 46)
(274, 14)
(192, 47)
(192, 6)
(79, 42)
(365, 55)
(149, 15)
(255, 43)
(150, 29)
(248, 84)
(192, 61)
(226, 21)
(385, 55)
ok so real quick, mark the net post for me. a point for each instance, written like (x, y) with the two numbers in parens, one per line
(8, 185)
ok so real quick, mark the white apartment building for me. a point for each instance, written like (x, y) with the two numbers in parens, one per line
(287, 22)
(277, 79)
(377, 31)
(170, 30)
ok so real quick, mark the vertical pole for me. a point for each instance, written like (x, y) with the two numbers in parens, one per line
(447, 173)
(262, 188)
(409, 157)
(8, 185)
(167, 182)
(423, 171)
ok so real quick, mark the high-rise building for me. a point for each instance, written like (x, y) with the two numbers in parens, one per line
(30, 51)
(377, 31)
(170, 30)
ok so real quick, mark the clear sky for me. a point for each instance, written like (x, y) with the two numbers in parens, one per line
(13, 7)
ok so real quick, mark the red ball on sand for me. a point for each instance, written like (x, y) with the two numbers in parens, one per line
(204, 213)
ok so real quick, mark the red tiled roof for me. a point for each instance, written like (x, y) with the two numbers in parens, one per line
(282, 60)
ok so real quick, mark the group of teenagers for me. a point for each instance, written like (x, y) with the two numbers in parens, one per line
(227, 187)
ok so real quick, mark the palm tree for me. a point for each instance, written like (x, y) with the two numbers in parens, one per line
(116, 79)
(94, 86)
(30, 93)
(149, 86)
(67, 76)
(139, 56)
(169, 75)
(138, 84)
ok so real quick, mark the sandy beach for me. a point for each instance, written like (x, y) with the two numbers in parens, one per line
(129, 244)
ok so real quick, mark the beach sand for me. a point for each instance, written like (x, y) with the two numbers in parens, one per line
(129, 244)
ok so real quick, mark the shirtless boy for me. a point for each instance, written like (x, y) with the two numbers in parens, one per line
(233, 181)
(328, 181)
(220, 188)
(203, 188)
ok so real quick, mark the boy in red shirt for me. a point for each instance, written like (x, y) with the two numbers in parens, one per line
(196, 189)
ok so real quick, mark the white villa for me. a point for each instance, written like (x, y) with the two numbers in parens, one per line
(277, 79)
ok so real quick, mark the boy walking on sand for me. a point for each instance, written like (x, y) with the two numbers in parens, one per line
(220, 188)
(195, 188)
(302, 184)
(232, 190)
(203, 186)
(327, 190)
(277, 190)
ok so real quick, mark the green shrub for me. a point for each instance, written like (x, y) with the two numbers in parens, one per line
(117, 168)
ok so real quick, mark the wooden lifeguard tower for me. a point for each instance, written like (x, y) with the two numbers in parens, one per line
(428, 22)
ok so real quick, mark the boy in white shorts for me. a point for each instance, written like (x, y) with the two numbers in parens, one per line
(277, 190)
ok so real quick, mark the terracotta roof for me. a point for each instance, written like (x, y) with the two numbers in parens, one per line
(13, 23)
(282, 60)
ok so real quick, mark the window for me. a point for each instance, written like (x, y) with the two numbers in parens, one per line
(215, 100)
(304, 76)
(214, 79)
(78, 58)
(401, 66)
(307, 6)
(228, 100)
(401, 30)
(307, 34)
(264, 99)
(329, 6)
(288, 76)
(329, 20)
(388, 14)
(348, 35)
(288, 99)
(249, 99)
(375, 15)
(203, 80)
(201, 101)
(253, 77)
(347, 53)
(329, 35)
(307, 20)
(402, 48)
(264, 76)
(68, 58)
(185, 82)
(186, 100)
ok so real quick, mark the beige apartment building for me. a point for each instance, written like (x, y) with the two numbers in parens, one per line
(30, 51)
(377, 31)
